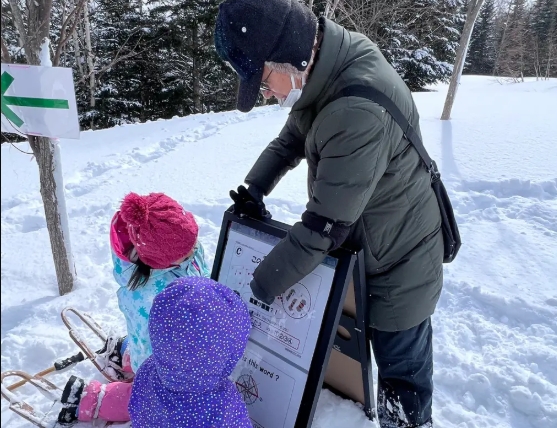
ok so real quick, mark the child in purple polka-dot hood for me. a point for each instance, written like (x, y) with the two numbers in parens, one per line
(199, 330)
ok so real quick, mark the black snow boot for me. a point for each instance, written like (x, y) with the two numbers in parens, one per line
(71, 396)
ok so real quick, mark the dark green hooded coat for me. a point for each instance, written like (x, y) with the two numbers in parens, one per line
(362, 173)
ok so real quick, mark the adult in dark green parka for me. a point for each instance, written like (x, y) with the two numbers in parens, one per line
(368, 188)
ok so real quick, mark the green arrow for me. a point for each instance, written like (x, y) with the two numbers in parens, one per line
(7, 100)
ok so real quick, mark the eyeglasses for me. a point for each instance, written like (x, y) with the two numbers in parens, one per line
(264, 85)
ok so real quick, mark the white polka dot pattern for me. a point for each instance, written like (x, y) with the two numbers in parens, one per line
(199, 330)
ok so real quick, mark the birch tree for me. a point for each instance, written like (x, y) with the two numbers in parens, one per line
(33, 34)
(474, 7)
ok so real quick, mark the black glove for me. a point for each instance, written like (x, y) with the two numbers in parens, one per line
(249, 203)
(261, 294)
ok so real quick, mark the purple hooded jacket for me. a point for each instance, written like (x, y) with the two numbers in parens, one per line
(199, 330)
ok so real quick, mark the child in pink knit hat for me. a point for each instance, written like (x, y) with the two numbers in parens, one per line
(153, 242)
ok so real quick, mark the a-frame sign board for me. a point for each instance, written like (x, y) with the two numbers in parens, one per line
(294, 342)
(349, 372)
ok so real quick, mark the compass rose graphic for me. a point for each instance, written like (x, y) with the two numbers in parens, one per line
(247, 387)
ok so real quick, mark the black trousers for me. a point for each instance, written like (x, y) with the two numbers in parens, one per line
(405, 385)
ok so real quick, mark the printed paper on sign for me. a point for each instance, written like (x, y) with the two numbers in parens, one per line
(288, 326)
(260, 377)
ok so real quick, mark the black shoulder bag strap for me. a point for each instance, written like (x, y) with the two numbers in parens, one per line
(451, 234)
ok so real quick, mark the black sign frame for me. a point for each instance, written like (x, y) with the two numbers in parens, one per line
(346, 263)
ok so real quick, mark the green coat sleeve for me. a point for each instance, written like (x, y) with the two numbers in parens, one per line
(353, 155)
(283, 154)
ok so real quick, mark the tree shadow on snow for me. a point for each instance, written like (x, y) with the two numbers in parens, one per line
(15, 315)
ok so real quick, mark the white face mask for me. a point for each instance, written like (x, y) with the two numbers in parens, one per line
(294, 94)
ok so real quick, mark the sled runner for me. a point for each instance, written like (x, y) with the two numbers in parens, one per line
(51, 392)
(100, 359)
(17, 405)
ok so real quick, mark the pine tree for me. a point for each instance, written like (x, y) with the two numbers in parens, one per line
(423, 44)
(481, 53)
(419, 38)
(195, 80)
(124, 89)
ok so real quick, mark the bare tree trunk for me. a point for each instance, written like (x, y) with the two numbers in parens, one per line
(473, 11)
(45, 151)
(196, 74)
(552, 50)
(64, 17)
(6, 57)
(537, 64)
(54, 208)
(522, 61)
(503, 40)
(18, 21)
(330, 8)
(552, 42)
(90, 63)
(77, 53)
(38, 26)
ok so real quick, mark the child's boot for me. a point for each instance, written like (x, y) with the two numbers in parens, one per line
(112, 351)
(71, 396)
(113, 356)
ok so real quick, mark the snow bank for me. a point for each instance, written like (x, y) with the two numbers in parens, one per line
(495, 330)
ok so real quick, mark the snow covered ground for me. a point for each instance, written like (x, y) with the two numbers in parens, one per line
(495, 329)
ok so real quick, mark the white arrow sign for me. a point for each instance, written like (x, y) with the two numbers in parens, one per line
(39, 101)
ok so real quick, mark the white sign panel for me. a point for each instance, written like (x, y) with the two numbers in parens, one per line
(39, 101)
(271, 389)
(273, 372)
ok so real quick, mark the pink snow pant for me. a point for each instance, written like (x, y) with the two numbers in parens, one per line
(108, 402)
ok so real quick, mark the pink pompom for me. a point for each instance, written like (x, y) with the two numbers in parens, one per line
(135, 210)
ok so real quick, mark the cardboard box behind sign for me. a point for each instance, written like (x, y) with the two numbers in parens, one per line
(344, 374)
